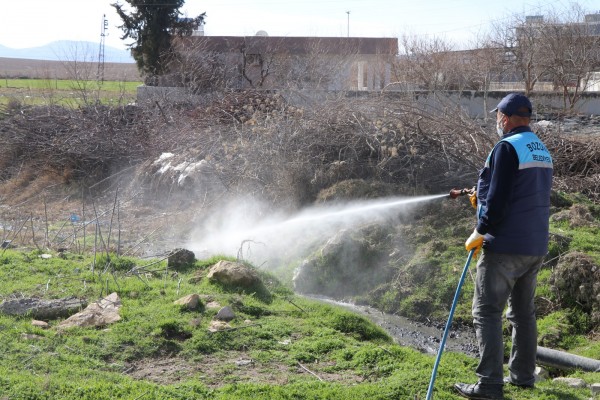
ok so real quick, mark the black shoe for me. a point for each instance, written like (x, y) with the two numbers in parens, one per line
(479, 391)
(509, 382)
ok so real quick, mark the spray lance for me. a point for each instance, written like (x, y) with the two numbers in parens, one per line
(454, 193)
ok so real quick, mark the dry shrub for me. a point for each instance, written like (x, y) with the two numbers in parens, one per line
(576, 216)
(576, 163)
(357, 189)
(87, 143)
(271, 146)
(281, 149)
(29, 183)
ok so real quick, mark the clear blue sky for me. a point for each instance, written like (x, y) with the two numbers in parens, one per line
(29, 23)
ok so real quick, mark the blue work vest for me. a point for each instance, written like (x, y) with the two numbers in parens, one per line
(524, 228)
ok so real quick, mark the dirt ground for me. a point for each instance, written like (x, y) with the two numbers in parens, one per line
(14, 68)
(230, 368)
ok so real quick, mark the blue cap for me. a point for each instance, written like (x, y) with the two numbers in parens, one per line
(511, 104)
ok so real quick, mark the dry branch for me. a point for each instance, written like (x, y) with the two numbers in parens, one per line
(310, 372)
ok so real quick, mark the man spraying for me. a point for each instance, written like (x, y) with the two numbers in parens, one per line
(513, 208)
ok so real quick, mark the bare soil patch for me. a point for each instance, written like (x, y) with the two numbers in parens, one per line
(14, 68)
(232, 367)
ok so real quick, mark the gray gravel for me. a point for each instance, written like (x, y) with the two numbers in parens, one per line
(424, 337)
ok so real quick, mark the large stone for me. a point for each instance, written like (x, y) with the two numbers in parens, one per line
(101, 313)
(42, 309)
(233, 274)
(225, 314)
(180, 259)
(577, 383)
(40, 324)
(191, 301)
(216, 326)
(212, 305)
(541, 374)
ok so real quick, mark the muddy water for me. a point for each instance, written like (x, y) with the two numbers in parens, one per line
(421, 336)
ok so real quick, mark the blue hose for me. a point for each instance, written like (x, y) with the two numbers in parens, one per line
(448, 324)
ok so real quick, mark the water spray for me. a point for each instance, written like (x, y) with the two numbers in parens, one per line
(311, 225)
(272, 234)
(360, 208)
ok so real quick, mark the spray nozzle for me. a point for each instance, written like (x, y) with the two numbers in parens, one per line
(454, 193)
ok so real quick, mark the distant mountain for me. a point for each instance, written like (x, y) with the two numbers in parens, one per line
(67, 50)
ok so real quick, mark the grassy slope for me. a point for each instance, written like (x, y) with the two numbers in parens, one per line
(439, 244)
(354, 359)
(89, 363)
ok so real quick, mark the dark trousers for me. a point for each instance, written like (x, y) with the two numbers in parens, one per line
(506, 279)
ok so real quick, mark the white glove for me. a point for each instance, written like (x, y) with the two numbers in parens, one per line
(475, 241)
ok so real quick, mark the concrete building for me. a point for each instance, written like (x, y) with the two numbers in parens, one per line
(275, 62)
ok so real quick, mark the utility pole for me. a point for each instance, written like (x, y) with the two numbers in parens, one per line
(100, 73)
(348, 12)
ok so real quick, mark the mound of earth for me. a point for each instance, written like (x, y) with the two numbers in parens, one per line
(576, 279)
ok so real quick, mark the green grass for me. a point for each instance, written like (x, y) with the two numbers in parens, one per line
(354, 358)
(69, 84)
(68, 93)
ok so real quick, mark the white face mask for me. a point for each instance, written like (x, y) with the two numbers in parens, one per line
(499, 129)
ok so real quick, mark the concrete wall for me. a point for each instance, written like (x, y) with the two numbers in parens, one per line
(478, 104)
(150, 94)
(474, 104)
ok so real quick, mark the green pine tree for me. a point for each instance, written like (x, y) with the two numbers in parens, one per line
(152, 24)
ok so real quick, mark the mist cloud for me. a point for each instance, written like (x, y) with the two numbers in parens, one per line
(251, 230)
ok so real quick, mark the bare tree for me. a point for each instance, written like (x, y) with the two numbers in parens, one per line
(484, 66)
(428, 64)
(303, 64)
(560, 47)
(257, 63)
(198, 67)
(520, 38)
(481, 66)
(79, 62)
(315, 68)
(571, 54)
